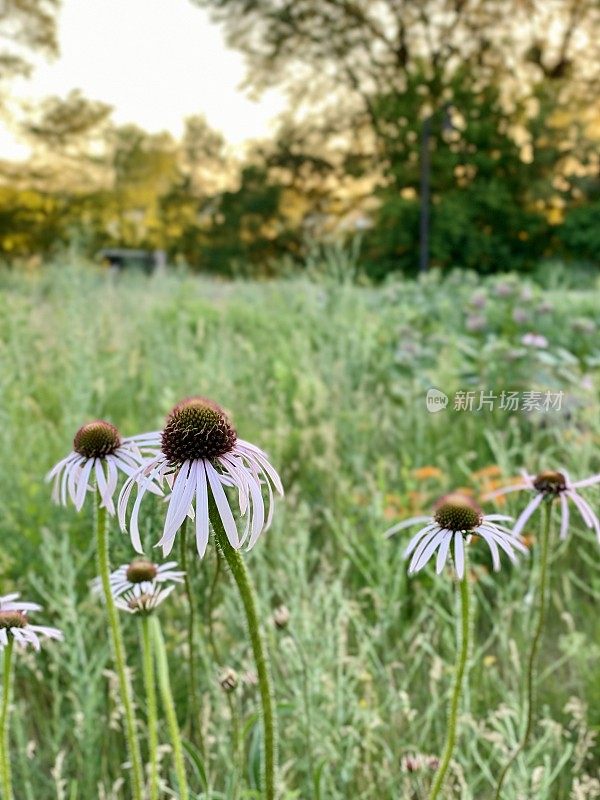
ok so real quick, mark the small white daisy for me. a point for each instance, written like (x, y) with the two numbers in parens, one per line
(554, 485)
(456, 517)
(98, 452)
(141, 586)
(14, 623)
(140, 572)
(200, 455)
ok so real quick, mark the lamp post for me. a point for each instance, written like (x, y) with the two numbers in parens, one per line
(425, 183)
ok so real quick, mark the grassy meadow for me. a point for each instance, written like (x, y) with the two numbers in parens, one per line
(330, 378)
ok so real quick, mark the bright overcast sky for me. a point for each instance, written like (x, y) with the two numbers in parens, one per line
(155, 62)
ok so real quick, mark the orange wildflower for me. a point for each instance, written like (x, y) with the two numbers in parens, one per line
(425, 473)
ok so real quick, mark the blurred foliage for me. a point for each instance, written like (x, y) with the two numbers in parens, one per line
(500, 96)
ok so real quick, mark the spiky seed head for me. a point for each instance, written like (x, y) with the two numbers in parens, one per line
(96, 439)
(141, 570)
(197, 428)
(411, 763)
(550, 482)
(228, 680)
(281, 617)
(12, 619)
(457, 512)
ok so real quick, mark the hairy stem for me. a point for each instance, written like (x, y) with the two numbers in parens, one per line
(261, 659)
(464, 632)
(210, 610)
(5, 777)
(530, 684)
(118, 648)
(151, 708)
(164, 682)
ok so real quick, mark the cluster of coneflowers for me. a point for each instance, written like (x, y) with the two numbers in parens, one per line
(205, 474)
(456, 524)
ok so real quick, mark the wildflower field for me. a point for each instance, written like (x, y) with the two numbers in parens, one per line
(331, 380)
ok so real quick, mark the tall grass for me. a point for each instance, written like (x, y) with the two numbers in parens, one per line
(330, 379)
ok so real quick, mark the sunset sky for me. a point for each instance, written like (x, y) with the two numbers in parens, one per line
(155, 62)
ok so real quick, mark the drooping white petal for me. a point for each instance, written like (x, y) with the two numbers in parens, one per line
(83, 483)
(591, 481)
(236, 470)
(202, 521)
(24, 636)
(421, 547)
(258, 512)
(459, 555)
(583, 505)
(564, 521)
(8, 598)
(50, 633)
(19, 605)
(428, 551)
(487, 536)
(179, 504)
(222, 505)
(418, 536)
(526, 514)
(506, 490)
(257, 455)
(400, 526)
(105, 494)
(180, 499)
(442, 554)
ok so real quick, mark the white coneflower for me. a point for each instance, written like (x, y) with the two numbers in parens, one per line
(98, 453)
(199, 450)
(15, 625)
(140, 572)
(456, 517)
(141, 586)
(553, 484)
(547, 486)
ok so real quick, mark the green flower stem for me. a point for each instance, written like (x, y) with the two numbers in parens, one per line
(5, 776)
(530, 687)
(246, 589)
(464, 635)
(164, 683)
(133, 747)
(191, 641)
(151, 708)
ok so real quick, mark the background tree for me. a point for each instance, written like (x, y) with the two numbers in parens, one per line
(66, 137)
(492, 76)
(26, 26)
